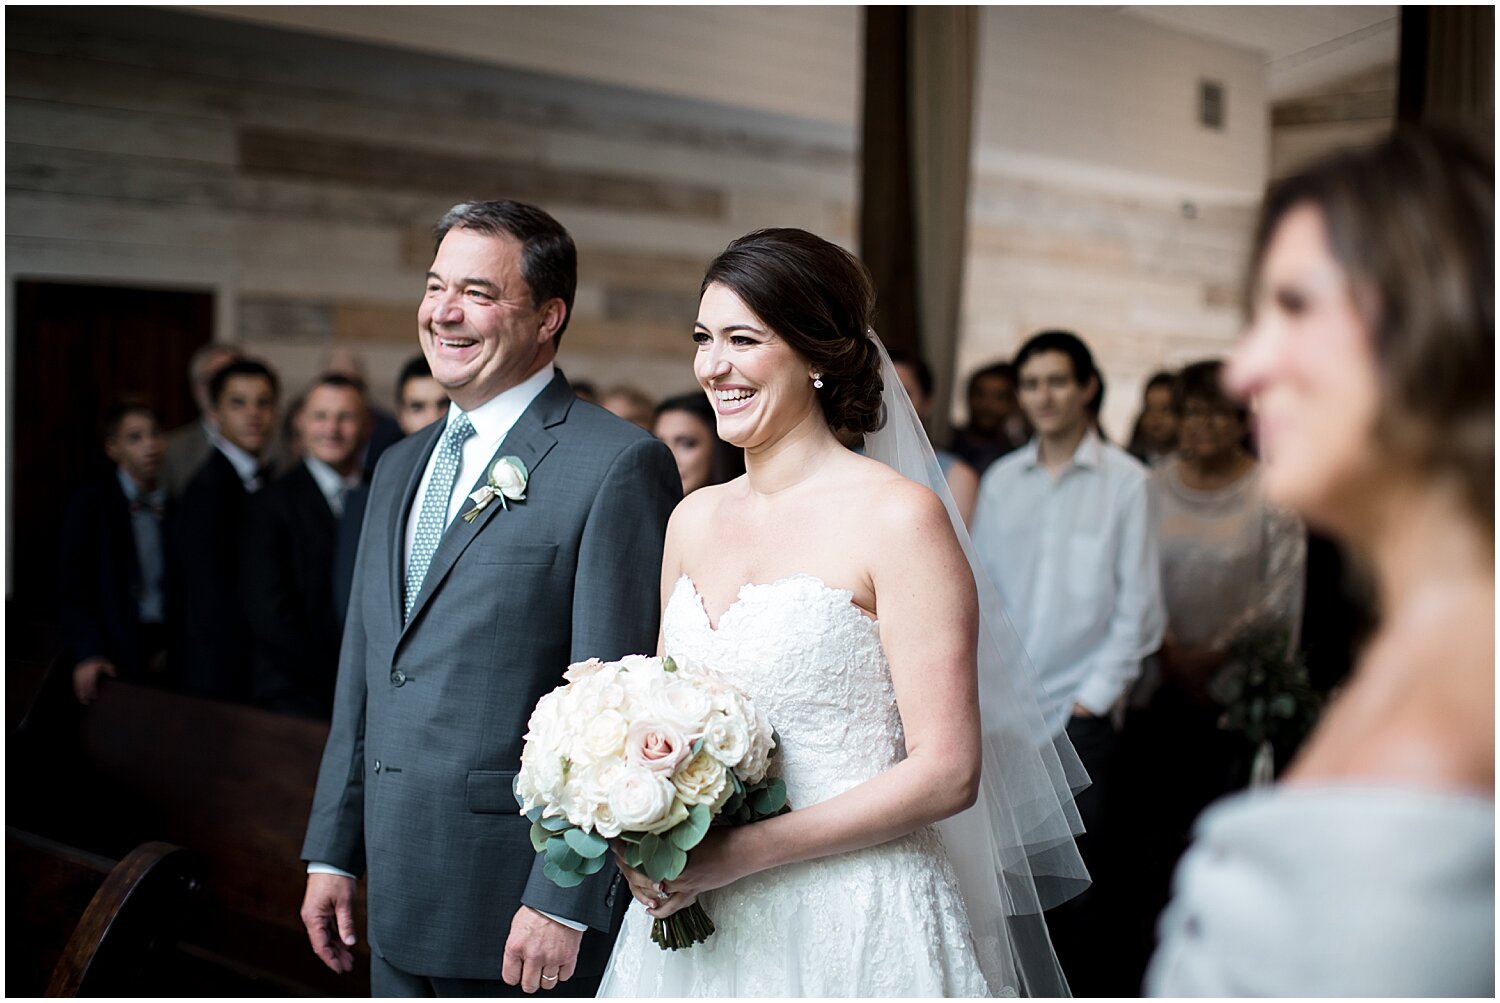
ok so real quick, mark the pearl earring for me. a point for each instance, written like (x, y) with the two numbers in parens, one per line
(818, 381)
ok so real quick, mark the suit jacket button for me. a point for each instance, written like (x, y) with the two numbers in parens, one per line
(398, 678)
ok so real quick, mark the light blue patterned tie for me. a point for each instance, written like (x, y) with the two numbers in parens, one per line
(433, 518)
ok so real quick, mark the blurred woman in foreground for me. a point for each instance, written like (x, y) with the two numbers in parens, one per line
(1369, 870)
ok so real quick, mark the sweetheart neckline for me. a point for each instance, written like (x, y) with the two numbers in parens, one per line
(740, 597)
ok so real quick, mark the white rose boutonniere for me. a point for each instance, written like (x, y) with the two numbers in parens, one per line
(507, 480)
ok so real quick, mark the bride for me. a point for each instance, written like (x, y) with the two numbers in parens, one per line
(839, 595)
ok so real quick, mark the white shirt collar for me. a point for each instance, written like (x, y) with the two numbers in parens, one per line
(329, 481)
(244, 464)
(133, 490)
(1086, 454)
(493, 418)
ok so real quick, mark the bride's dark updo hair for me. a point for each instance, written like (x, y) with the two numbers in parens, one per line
(819, 299)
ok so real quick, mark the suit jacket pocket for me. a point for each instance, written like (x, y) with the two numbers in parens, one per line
(492, 792)
(522, 553)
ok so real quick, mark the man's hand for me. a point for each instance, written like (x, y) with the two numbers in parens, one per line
(328, 914)
(1079, 710)
(540, 953)
(86, 678)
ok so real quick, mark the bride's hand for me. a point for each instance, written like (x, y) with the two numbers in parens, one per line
(711, 864)
(641, 887)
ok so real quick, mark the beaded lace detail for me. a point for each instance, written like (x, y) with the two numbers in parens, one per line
(884, 921)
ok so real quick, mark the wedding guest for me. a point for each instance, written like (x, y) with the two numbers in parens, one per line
(1064, 529)
(188, 446)
(997, 424)
(688, 426)
(1232, 563)
(629, 403)
(286, 569)
(208, 526)
(381, 427)
(1154, 436)
(1370, 869)
(113, 570)
(420, 400)
(586, 391)
(916, 379)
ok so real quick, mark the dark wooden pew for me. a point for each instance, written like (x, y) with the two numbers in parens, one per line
(81, 925)
(231, 783)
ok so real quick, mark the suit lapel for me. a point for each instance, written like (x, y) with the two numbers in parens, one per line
(529, 440)
(396, 524)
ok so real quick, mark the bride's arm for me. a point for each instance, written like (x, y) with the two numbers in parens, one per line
(928, 614)
(671, 559)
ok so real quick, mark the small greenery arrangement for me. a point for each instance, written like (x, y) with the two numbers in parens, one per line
(1267, 696)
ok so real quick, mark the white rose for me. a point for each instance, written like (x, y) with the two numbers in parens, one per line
(703, 780)
(579, 671)
(752, 769)
(727, 739)
(641, 799)
(604, 735)
(509, 478)
(544, 776)
(683, 706)
(605, 823)
(575, 804)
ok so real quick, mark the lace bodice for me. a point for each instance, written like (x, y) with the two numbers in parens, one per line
(885, 921)
(812, 661)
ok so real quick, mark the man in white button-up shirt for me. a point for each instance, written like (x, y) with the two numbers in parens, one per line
(1064, 530)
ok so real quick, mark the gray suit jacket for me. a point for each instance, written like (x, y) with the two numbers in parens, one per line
(415, 785)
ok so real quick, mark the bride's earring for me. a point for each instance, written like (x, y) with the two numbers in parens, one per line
(818, 381)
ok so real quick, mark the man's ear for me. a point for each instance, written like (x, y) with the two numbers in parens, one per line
(1091, 390)
(553, 313)
(112, 448)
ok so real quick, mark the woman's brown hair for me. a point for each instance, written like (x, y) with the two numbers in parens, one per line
(1412, 222)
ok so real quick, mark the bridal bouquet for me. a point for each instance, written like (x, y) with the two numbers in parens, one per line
(650, 752)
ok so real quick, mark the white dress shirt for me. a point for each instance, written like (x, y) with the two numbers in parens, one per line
(245, 465)
(334, 486)
(150, 559)
(492, 420)
(1074, 558)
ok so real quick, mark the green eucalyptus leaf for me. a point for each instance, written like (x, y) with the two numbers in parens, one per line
(690, 831)
(632, 854)
(586, 844)
(661, 860)
(539, 837)
(563, 879)
(592, 865)
(555, 823)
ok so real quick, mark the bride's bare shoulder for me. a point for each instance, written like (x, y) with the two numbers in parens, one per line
(699, 509)
(890, 503)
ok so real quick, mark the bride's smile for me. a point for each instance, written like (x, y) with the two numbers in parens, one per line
(761, 389)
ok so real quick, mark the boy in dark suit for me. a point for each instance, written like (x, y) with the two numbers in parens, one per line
(209, 524)
(114, 602)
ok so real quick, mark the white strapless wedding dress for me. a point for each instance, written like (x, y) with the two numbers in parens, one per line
(884, 921)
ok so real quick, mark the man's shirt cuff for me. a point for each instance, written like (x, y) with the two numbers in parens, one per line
(318, 867)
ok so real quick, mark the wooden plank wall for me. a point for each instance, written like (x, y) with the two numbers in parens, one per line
(1098, 203)
(297, 177)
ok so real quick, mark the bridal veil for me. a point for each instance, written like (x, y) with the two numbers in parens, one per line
(1013, 850)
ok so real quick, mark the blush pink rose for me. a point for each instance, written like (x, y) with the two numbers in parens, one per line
(658, 747)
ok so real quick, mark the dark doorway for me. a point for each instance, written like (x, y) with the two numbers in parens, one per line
(77, 347)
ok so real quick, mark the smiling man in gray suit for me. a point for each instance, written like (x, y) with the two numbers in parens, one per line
(459, 620)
